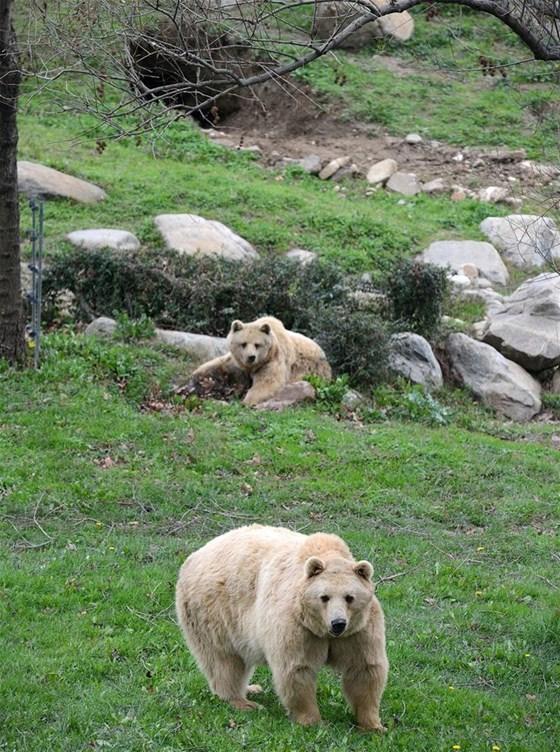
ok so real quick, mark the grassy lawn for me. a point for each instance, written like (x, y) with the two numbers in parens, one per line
(103, 494)
(468, 523)
(441, 92)
(183, 172)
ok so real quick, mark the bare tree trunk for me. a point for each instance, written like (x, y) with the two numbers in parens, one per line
(12, 342)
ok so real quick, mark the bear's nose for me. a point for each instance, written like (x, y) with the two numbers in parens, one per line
(338, 626)
(251, 358)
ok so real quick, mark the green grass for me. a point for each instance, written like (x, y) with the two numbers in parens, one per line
(184, 173)
(91, 654)
(446, 96)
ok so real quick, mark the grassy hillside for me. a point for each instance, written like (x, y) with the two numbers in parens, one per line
(102, 501)
(107, 482)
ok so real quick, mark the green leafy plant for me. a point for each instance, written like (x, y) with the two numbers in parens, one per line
(405, 402)
(417, 293)
(131, 330)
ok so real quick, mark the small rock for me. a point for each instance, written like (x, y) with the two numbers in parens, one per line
(469, 270)
(460, 280)
(458, 195)
(458, 157)
(352, 399)
(254, 149)
(301, 255)
(312, 164)
(483, 283)
(103, 326)
(493, 194)
(380, 172)
(404, 182)
(555, 386)
(413, 138)
(289, 395)
(479, 328)
(333, 166)
(435, 186)
(348, 171)
(119, 240)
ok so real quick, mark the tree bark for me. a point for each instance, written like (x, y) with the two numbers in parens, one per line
(12, 343)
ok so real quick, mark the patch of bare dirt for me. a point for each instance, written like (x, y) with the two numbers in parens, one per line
(292, 123)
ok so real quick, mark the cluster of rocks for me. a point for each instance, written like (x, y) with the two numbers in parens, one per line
(515, 348)
(386, 173)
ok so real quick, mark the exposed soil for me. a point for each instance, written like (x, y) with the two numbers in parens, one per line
(293, 122)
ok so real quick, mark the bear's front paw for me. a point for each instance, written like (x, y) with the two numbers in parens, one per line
(373, 726)
(244, 704)
(307, 719)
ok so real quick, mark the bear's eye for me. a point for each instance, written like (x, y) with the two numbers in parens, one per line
(349, 598)
(243, 344)
(325, 598)
(257, 346)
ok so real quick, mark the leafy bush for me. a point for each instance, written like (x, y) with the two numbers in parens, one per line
(355, 342)
(131, 330)
(417, 293)
(198, 295)
(329, 393)
(408, 402)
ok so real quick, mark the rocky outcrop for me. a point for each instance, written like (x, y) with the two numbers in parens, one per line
(411, 356)
(498, 382)
(527, 327)
(118, 240)
(457, 253)
(38, 180)
(526, 240)
(199, 346)
(195, 236)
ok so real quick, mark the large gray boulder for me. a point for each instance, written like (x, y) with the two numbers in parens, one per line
(199, 346)
(118, 240)
(526, 240)
(527, 327)
(499, 383)
(457, 253)
(38, 180)
(192, 235)
(411, 356)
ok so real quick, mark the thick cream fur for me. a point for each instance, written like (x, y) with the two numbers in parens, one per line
(256, 595)
(271, 354)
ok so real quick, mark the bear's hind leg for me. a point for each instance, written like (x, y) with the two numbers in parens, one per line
(228, 677)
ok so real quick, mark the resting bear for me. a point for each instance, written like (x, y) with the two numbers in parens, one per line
(267, 595)
(270, 354)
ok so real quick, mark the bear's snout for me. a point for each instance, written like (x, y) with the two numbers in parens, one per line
(338, 626)
(251, 358)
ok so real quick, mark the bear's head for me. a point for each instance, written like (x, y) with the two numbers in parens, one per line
(251, 344)
(337, 596)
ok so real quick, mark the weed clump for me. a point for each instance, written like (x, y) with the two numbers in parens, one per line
(417, 293)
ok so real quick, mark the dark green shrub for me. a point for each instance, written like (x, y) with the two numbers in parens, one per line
(355, 342)
(198, 295)
(417, 293)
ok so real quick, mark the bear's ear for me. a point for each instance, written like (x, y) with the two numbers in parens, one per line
(363, 569)
(265, 328)
(237, 326)
(314, 566)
